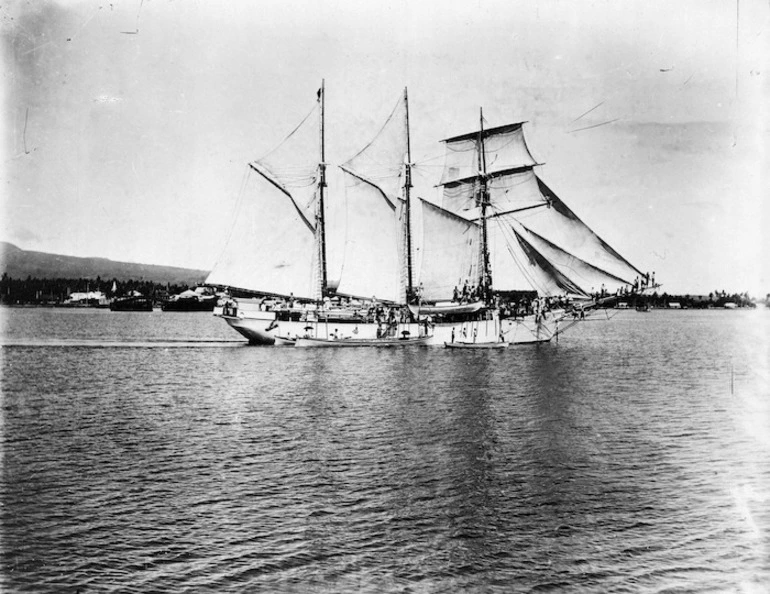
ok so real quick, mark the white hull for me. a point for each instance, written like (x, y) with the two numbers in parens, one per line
(262, 328)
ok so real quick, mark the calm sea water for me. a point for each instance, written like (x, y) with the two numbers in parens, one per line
(154, 452)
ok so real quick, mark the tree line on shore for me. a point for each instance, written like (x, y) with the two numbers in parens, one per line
(664, 300)
(56, 291)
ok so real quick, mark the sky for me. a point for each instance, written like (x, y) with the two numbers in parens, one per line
(127, 125)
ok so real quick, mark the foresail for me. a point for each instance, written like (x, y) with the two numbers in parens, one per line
(271, 248)
(449, 252)
(562, 227)
(569, 254)
(582, 274)
(542, 273)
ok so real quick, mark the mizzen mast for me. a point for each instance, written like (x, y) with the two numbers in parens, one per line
(482, 201)
(320, 210)
(408, 204)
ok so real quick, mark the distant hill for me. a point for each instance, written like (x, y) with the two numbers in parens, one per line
(20, 264)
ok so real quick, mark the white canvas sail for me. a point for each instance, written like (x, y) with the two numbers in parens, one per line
(371, 263)
(561, 226)
(272, 247)
(588, 277)
(449, 252)
(374, 255)
(505, 149)
(554, 252)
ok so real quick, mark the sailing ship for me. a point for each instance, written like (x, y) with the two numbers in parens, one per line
(460, 276)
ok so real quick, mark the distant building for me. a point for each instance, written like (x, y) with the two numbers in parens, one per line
(89, 298)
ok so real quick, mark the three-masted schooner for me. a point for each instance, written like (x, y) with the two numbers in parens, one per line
(499, 230)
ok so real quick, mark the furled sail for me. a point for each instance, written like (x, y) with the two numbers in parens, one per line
(373, 264)
(272, 247)
(449, 252)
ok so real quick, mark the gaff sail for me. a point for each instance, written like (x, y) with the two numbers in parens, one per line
(276, 221)
(376, 235)
(449, 252)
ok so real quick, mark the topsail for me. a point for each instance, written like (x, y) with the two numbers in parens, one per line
(533, 239)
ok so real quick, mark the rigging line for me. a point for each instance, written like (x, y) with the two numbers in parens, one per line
(594, 126)
(506, 233)
(283, 189)
(578, 259)
(737, 37)
(315, 107)
(24, 137)
(369, 182)
(385, 170)
(390, 117)
(426, 159)
(234, 215)
(586, 113)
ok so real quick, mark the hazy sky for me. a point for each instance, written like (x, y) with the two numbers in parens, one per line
(127, 125)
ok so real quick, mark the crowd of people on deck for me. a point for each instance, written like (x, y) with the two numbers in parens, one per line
(389, 316)
(467, 294)
(641, 283)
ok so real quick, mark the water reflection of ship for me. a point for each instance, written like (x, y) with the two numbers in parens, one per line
(435, 278)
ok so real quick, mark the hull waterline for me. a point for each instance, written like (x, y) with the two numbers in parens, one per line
(263, 329)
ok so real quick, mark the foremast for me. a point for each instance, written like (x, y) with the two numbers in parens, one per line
(482, 201)
(526, 235)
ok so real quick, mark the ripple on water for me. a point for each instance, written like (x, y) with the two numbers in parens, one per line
(617, 460)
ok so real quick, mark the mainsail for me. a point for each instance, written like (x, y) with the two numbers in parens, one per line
(278, 227)
(532, 240)
(377, 238)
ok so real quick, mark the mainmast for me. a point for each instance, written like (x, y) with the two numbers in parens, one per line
(482, 201)
(321, 212)
(407, 192)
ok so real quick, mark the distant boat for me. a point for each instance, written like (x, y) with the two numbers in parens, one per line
(446, 308)
(360, 342)
(131, 303)
(476, 345)
(190, 301)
